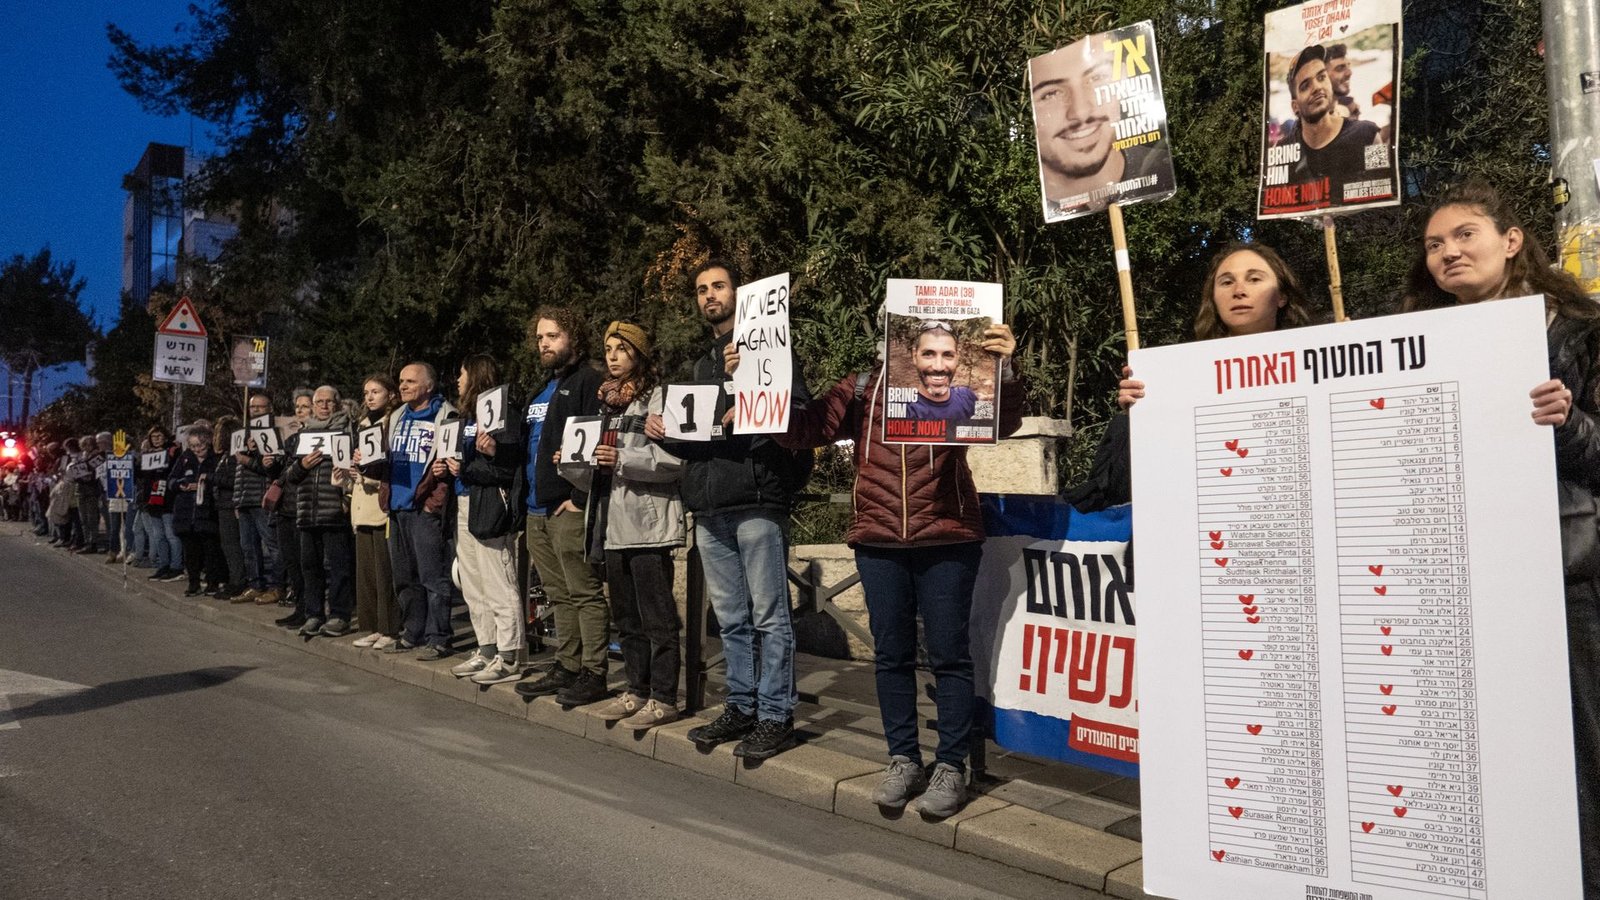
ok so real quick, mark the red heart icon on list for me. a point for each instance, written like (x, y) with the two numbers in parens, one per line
(1386, 688)
(1253, 729)
(1222, 561)
(1386, 649)
(1367, 826)
(1247, 599)
(1217, 545)
(1384, 628)
(1246, 654)
(1377, 404)
(1395, 789)
(1388, 710)
(1231, 782)
(1236, 811)
(1248, 610)
(1381, 590)
(1218, 854)
(1231, 445)
(1376, 570)
(1400, 811)
(1216, 535)
(1253, 620)
(1226, 473)
(1243, 452)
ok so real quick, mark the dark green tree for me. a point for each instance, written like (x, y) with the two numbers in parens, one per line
(41, 323)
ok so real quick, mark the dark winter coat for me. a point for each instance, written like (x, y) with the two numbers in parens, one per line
(318, 502)
(193, 511)
(577, 395)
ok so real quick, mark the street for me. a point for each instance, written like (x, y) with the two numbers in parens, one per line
(147, 754)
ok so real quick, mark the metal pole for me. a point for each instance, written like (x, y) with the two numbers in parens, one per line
(1572, 75)
(177, 408)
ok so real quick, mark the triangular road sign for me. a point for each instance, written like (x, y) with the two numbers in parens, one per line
(183, 320)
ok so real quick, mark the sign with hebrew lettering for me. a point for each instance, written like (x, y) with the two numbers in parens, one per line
(1355, 683)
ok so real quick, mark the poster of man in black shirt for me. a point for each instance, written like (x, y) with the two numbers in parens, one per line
(1330, 131)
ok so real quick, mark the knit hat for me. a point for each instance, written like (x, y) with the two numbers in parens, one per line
(631, 333)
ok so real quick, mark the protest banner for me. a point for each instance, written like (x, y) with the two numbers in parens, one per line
(942, 386)
(265, 436)
(689, 411)
(762, 383)
(119, 481)
(579, 438)
(248, 360)
(490, 408)
(1362, 619)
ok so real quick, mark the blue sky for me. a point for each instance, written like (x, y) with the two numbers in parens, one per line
(71, 134)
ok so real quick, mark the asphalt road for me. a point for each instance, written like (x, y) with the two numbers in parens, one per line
(148, 754)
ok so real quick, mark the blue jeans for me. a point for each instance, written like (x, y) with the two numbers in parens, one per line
(139, 539)
(935, 581)
(421, 563)
(259, 541)
(164, 553)
(745, 555)
(175, 547)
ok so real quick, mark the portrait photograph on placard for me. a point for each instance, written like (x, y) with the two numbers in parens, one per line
(579, 438)
(690, 412)
(1100, 123)
(942, 386)
(1330, 134)
(491, 409)
(248, 360)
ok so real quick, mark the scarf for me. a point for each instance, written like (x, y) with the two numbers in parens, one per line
(616, 393)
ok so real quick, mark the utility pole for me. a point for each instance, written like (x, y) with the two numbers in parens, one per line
(1572, 74)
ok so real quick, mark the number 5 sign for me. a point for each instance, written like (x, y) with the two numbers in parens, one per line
(689, 412)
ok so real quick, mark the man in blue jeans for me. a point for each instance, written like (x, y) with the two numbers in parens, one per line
(418, 552)
(258, 535)
(741, 490)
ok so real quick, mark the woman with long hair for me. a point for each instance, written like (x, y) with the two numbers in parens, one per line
(1475, 249)
(488, 480)
(637, 519)
(377, 611)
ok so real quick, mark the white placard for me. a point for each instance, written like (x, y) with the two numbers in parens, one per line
(341, 451)
(942, 386)
(179, 359)
(152, 461)
(311, 442)
(238, 441)
(579, 438)
(371, 444)
(689, 412)
(1352, 668)
(447, 441)
(491, 409)
(765, 376)
(267, 441)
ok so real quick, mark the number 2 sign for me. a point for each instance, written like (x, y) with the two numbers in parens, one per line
(578, 439)
(689, 412)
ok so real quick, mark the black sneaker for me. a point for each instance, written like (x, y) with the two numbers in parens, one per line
(193, 590)
(731, 725)
(553, 681)
(292, 620)
(400, 646)
(159, 574)
(588, 687)
(770, 737)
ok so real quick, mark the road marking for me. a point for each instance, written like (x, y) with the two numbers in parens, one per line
(13, 682)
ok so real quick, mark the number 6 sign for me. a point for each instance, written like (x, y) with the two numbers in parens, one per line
(689, 412)
(579, 438)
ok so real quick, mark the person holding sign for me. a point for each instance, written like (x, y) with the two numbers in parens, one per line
(194, 512)
(375, 604)
(637, 517)
(417, 502)
(741, 490)
(223, 480)
(327, 545)
(1475, 249)
(487, 477)
(918, 536)
(555, 532)
(258, 535)
(155, 462)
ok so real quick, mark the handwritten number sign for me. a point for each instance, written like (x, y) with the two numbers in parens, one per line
(491, 409)
(579, 439)
(447, 443)
(689, 412)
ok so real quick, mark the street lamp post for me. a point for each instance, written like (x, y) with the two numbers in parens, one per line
(1572, 75)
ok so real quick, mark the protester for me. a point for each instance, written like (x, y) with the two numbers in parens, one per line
(327, 545)
(114, 506)
(193, 516)
(258, 533)
(487, 475)
(284, 520)
(86, 480)
(1474, 249)
(637, 517)
(165, 551)
(741, 491)
(417, 507)
(376, 610)
(918, 535)
(222, 482)
(555, 523)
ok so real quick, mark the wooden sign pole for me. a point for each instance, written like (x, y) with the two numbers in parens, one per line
(1331, 245)
(1119, 242)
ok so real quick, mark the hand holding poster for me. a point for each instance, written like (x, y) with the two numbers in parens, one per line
(238, 442)
(943, 387)
(1101, 123)
(154, 461)
(370, 445)
(579, 438)
(447, 443)
(310, 442)
(341, 451)
(689, 412)
(1330, 136)
(491, 409)
(765, 375)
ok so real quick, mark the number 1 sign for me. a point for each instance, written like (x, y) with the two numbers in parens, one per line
(689, 412)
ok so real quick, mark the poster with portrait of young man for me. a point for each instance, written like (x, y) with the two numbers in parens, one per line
(942, 386)
(1100, 123)
(1330, 132)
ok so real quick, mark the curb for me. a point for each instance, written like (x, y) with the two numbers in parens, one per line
(812, 776)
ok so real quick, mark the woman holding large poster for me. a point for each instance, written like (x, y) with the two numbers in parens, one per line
(1473, 249)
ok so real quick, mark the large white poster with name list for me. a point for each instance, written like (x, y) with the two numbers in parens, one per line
(1353, 667)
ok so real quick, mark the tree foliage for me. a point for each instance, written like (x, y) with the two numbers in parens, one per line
(41, 322)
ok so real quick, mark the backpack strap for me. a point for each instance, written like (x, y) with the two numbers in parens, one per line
(861, 384)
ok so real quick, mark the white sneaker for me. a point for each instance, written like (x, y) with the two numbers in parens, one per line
(654, 713)
(498, 671)
(367, 641)
(617, 708)
(384, 642)
(472, 666)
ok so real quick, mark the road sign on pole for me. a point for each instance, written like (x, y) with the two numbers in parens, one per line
(183, 321)
(179, 360)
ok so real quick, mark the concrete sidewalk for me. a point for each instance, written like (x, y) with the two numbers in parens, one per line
(1062, 822)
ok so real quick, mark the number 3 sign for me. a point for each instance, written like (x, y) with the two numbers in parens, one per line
(689, 412)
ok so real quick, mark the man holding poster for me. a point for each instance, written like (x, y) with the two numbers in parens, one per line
(1101, 123)
(761, 385)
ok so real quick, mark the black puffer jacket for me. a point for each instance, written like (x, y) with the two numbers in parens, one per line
(193, 511)
(576, 395)
(251, 479)
(318, 502)
(222, 482)
(1574, 347)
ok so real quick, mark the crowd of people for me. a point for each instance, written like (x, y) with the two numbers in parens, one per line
(378, 544)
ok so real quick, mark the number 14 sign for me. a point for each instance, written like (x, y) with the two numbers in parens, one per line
(689, 412)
